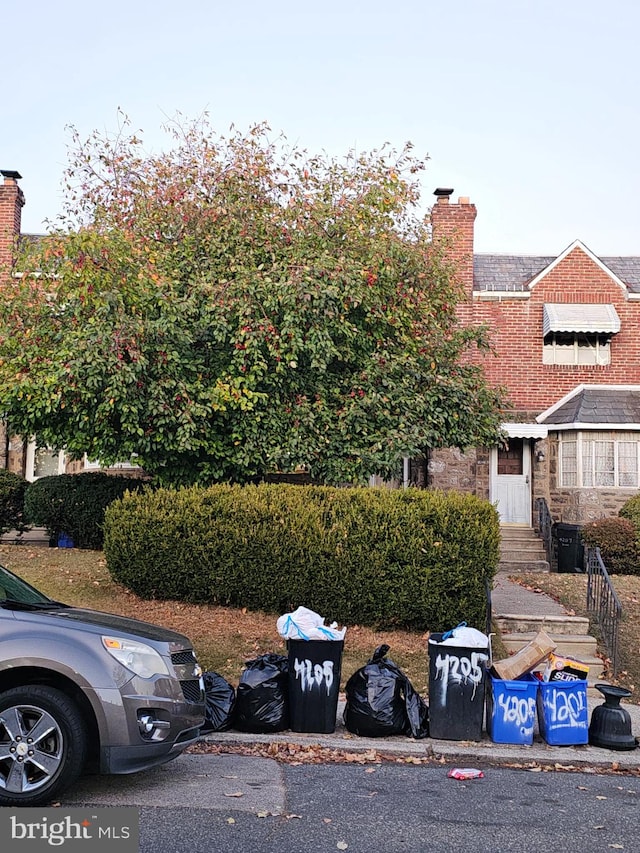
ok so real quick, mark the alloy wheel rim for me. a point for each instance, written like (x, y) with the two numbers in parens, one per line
(31, 748)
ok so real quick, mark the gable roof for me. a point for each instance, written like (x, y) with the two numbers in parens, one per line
(593, 406)
(518, 273)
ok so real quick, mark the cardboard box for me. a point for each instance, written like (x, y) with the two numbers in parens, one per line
(565, 669)
(526, 659)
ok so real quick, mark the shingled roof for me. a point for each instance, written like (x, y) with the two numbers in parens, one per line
(512, 273)
(598, 405)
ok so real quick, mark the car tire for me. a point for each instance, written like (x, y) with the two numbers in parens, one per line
(43, 744)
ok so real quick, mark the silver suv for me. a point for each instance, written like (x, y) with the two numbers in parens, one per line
(82, 690)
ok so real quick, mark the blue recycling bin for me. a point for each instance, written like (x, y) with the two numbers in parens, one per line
(511, 709)
(563, 713)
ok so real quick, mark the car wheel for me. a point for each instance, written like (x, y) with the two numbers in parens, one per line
(43, 744)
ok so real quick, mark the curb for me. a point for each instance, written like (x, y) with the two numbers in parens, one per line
(484, 752)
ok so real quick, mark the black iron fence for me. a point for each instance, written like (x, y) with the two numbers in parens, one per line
(602, 604)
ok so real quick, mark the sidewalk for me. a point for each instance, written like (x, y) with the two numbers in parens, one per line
(469, 753)
(34, 536)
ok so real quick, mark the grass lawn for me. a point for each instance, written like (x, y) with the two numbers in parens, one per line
(225, 637)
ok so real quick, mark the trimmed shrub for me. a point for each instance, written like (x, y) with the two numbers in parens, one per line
(617, 539)
(75, 504)
(406, 558)
(631, 510)
(12, 491)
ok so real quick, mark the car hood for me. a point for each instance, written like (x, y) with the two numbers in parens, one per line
(115, 624)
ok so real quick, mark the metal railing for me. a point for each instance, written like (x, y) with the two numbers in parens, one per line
(489, 611)
(603, 604)
(545, 529)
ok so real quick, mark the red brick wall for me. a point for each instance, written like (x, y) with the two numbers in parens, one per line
(11, 202)
(516, 334)
(452, 230)
(515, 322)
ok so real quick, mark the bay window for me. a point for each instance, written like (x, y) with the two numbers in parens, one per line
(599, 460)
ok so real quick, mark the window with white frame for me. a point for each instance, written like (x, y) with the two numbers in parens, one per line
(43, 461)
(599, 460)
(96, 464)
(576, 348)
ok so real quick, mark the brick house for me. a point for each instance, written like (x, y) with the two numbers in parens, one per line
(565, 331)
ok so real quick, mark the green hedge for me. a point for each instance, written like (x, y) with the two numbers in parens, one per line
(631, 510)
(12, 492)
(75, 504)
(617, 539)
(384, 558)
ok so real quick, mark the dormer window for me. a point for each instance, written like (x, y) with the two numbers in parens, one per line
(578, 334)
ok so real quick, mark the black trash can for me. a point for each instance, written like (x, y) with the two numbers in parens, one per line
(457, 677)
(314, 684)
(569, 547)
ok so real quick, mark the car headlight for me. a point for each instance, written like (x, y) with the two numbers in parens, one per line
(138, 657)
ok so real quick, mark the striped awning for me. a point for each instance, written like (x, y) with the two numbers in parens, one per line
(597, 319)
(514, 430)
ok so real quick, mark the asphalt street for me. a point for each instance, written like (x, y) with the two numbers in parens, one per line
(233, 803)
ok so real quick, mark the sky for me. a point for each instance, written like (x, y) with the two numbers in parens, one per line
(531, 108)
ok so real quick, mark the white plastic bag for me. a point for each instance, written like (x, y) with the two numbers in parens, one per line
(304, 624)
(470, 638)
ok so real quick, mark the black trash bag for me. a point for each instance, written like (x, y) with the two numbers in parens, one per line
(220, 703)
(262, 697)
(381, 701)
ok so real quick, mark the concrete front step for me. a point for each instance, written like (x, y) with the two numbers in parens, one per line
(514, 623)
(521, 550)
(518, 532)
(578, 646)
(534, 544)
(515, 567)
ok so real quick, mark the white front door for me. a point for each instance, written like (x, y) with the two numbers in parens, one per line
(511, 481)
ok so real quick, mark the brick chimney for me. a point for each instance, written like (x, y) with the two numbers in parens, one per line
(11, 203)
(452, 225)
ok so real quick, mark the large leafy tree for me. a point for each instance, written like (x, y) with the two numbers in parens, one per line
(232, 306)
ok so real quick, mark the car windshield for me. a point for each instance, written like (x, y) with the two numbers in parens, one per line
(14, 589)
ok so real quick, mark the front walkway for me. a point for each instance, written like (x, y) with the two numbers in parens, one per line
(509, 597)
